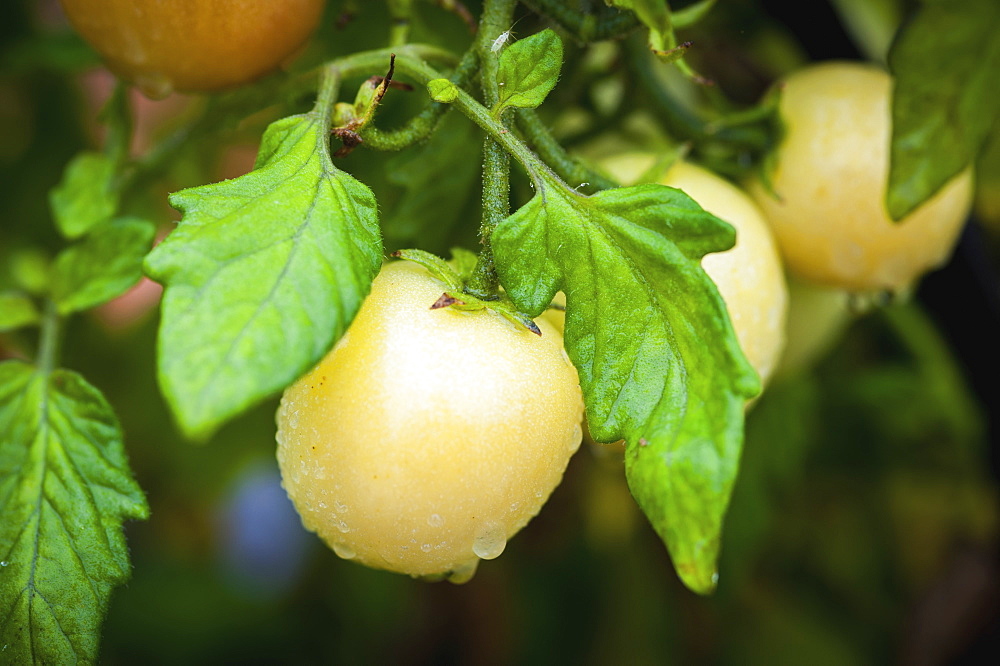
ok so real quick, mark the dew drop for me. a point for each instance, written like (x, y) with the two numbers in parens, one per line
(435, 520)
(576, 438)
(4, 563)
(490, 543)
(463, 573)
(340, 507)
(514, 506)
(426, 548)
(343, 527)
(344, 551)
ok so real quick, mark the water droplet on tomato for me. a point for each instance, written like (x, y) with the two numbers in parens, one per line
(490, 542)
(463, 573)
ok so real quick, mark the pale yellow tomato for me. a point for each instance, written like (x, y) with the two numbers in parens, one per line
(427, 438)
(830, 172)
(193, 45)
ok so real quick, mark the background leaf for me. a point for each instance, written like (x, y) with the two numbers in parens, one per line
(439, 180)
(104, 265)
(65, 489)
(16, 310)
(85, 197)
(262, 275)
(945, 62)
(529, 69)
(658, 360)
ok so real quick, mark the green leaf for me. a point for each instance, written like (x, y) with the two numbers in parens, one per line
(65, 489)
(945, 62)
(262, 275)
(102, 266)
(655, 15)
(16, 310)
(649, 334)
(528, 70)
(86, 196)
(442, 90)
(692, 14)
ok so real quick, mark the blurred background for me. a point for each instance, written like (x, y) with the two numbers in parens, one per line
(864, 525)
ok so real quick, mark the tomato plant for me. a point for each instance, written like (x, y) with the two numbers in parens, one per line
(396, 227)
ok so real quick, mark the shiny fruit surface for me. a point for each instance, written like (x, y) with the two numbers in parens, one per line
(829, 180)
(427, 438)
(193, 45)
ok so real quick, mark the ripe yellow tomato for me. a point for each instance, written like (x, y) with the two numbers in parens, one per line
(749, 276)
(193, 45)
(830, 174)
(427, 438)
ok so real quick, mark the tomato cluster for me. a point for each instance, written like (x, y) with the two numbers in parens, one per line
(428, 437)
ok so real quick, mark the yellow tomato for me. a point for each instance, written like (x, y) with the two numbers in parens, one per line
(830, 174)
(427, 438)
(193, 45)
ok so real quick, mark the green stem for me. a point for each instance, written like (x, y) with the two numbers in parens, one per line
(329, 87)
(117, 116)
(227, 109)
(680, 121)
(607, 23)
(422, 125)
(496, 19)
(568, 168)
(48, 346)
(399, 21)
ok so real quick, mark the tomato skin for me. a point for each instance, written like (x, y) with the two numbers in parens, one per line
(193, 45)
(829, 182)
(427, 438)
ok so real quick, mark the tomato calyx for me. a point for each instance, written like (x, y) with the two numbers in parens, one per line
(455, 275)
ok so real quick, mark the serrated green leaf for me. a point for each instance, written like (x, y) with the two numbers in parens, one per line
(659, 363)
(528, 70)
(945, 62)
(65, 489)
(442, 90)
(86, 196)
(102, 266)
(16, 310)
(262, 275)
